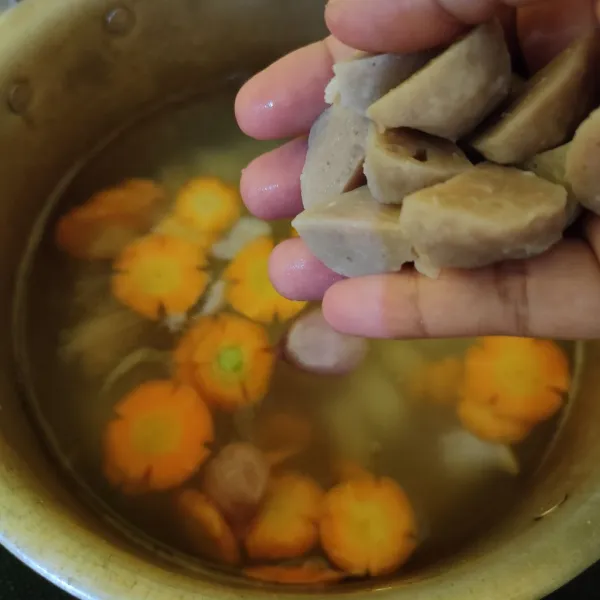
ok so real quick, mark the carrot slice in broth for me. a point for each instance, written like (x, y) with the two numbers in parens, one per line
(250, 291)
(100, 228)
(309, 573)
(228, 359)
(484, 423)
(345, 470)
(521, 378)
(206, 529)
(207, 205)
(368, 526)
(160, 275)
(438, 382)
(287, 524)
(158, 438)
(283, 435)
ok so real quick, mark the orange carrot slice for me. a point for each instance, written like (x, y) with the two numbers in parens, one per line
(483, 422)
(159, 274)
(183, 356)
(158, 439)
(208, 205)
(112, 218)
(368, 526)
(283, 435)
(287, 524)
(172, 226)
(276, 458)
(228, 359)
(282, 428)
(309, 573)
(523, 379)
(345, 470)
(206, 528)
(250, 291)
(438, 382)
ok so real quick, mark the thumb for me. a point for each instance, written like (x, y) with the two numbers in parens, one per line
(406, 25)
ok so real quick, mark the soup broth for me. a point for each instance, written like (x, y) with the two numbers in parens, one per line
(88, 343)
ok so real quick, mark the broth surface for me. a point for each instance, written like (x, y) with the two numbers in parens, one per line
(75, 379)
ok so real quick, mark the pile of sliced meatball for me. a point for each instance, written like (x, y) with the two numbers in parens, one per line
(447, 159)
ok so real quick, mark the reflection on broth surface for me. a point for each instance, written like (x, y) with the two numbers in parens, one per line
(167, 379)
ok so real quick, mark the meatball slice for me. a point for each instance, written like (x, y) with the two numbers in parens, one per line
(454, 92)
(483, 216)
(583, 163)
(401, 161)
(354, 235)
(365, 78)
(335, 157)
(548, 110)
(551, 165)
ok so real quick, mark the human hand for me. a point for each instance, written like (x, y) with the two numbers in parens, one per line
(556, 295)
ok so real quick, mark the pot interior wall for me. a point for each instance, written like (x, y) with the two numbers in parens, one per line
(81, 73)
(58, 102)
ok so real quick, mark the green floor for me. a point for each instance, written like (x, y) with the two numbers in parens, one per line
(17, 582)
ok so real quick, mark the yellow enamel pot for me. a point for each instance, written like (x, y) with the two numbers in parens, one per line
(72, 72)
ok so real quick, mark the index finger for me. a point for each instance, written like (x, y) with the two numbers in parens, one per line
(285, 99)
(407, 25)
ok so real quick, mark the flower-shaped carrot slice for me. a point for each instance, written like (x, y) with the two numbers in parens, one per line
(207, 205)
(206, 528)
(158, 439)
(483, 422)
(172, 226)
(345, 470)
(368, 526)
(100, 228)
(250, 291)
(159, 275)
(228, 359)
(438, 382)
(523, 379)
(287, 524)
(308, 573)
(282, 435)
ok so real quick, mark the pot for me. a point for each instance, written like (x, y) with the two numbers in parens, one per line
(73, 72)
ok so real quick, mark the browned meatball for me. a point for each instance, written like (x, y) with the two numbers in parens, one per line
(236, 480)
(312, 345)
